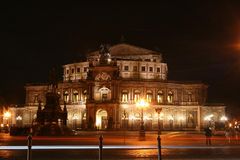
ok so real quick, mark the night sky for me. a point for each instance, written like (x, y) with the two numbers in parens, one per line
(199, 41)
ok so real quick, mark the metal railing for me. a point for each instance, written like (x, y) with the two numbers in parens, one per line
(100, 156)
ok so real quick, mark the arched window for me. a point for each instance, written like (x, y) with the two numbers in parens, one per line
(170, 97)
(136, 95)
(160, 97)
(85, 95)
(124, 96)
(66, 96)
(75, 96)
(149, 96)
(105, 93)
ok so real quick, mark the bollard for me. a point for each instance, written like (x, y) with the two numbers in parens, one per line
(29, 147)
(159, 148)
(100, 146)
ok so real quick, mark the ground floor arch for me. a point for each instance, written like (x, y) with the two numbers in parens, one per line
(101, 119)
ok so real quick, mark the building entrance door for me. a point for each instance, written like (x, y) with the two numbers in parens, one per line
(101, 119)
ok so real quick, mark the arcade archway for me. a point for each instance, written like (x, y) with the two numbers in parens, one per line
(101, 119)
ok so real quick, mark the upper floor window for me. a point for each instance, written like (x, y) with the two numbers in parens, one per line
(85, 69)
(160, 97)
(158, 69)
(78, 69)
(67, 71)
(72, 70)
(170, 97)
(150, 69)
(125, 68)
(135, 69)
(143, 68)
(189, 97)
(36, 98)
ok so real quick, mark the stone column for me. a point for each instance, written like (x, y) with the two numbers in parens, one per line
(198, 119)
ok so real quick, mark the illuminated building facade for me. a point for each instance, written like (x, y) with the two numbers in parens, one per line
(102, 92)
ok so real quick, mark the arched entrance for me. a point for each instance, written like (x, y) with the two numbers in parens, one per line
(101, 119)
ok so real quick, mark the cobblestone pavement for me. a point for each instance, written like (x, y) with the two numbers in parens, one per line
(220, 149)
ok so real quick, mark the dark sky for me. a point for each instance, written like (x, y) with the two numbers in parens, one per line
(199, 40)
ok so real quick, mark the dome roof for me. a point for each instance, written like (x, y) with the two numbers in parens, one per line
(126, 49)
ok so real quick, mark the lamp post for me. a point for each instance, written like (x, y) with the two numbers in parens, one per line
(208, 118)
(124, 126)
(158, 110)
(141, 105)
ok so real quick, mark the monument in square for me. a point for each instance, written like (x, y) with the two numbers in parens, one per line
(51, 119)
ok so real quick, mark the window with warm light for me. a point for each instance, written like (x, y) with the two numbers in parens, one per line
(160, 97)
(136, 95)
(170, 97)
(84, 95)
(149, 96)
(75, 96)
(66, 96)
(124, 96)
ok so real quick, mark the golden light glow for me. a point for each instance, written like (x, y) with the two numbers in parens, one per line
(75, 117)
(208, 118)
(180, 118)
(223, 118)
(2, 125)
(142, 103)
(19, 118)
(99, 116)
(170, 118)
(6, 115)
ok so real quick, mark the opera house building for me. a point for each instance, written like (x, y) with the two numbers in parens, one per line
(103, 92)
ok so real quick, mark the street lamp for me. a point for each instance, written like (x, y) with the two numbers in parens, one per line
(7, 115)
(158, 110)
(209, 119)
(124, 126)
(141, 105)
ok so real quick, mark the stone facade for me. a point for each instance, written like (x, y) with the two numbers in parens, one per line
(103, 91)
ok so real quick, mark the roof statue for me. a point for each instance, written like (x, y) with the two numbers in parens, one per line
(105, 57)
(52, 80)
